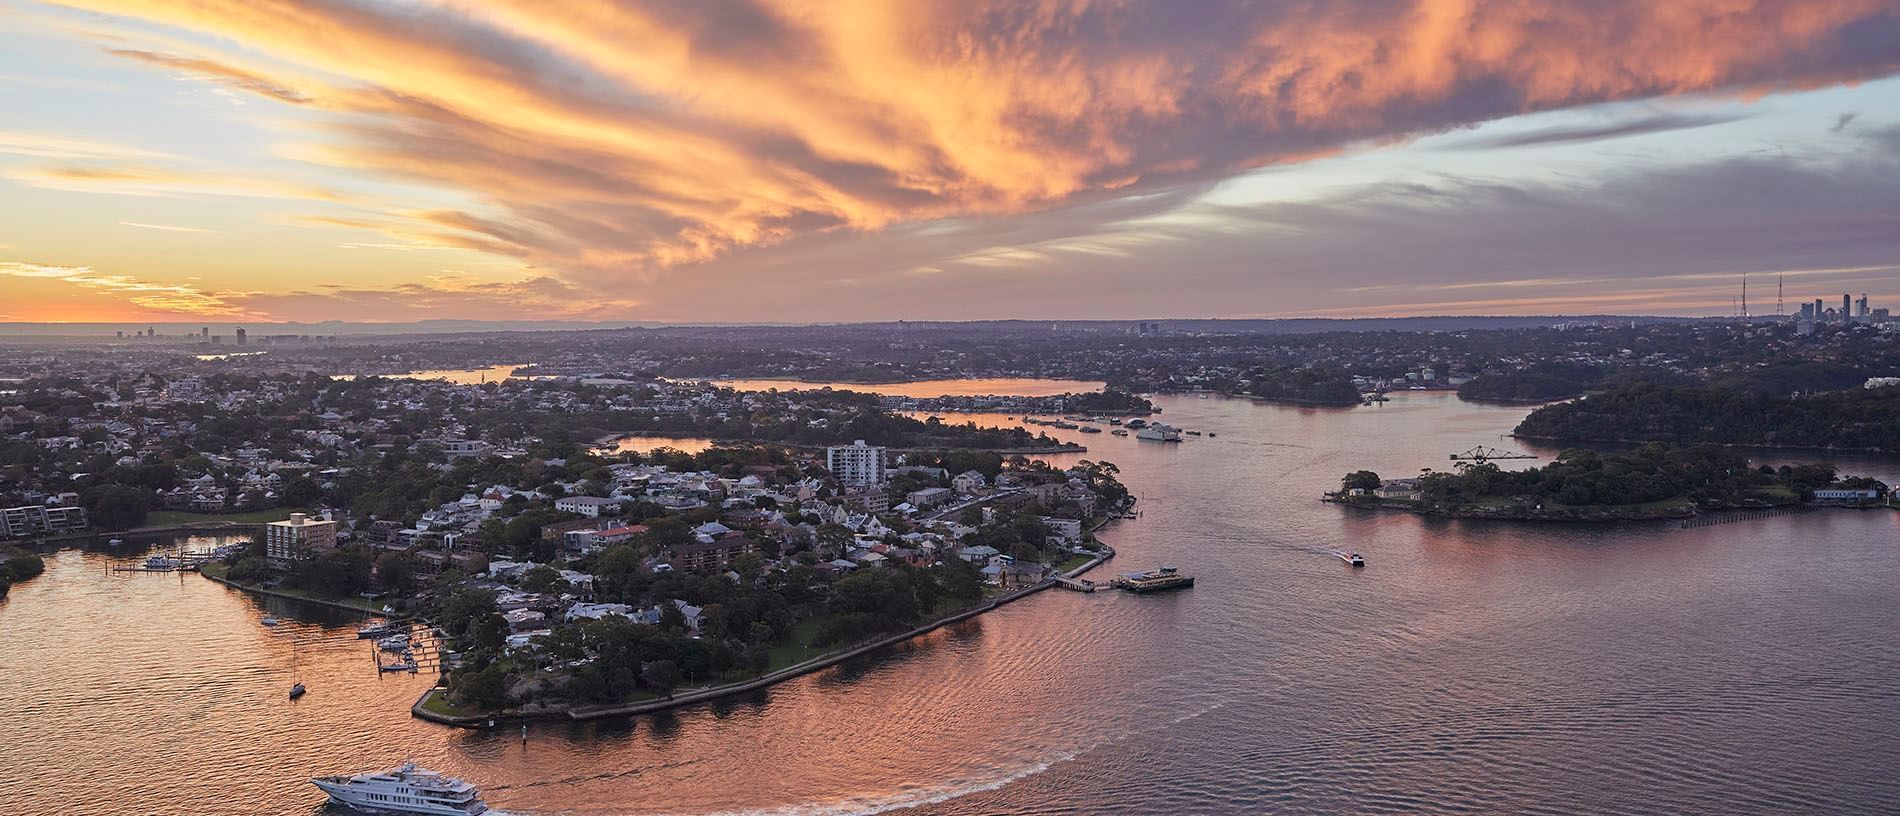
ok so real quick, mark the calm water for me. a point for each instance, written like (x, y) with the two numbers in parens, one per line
(1469, 668)
(649, 444)
(465, 376)
(1002, 386)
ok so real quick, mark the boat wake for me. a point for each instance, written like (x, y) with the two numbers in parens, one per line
(927, 795)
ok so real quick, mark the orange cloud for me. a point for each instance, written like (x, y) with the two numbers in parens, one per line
(609, 141)
(147, 296)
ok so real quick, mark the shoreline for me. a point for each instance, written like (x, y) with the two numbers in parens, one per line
(1584, 515)
(419, 709)
(1570, 442)
(290, 597)
(608, 439)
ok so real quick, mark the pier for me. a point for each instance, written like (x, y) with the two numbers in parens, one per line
(1077, 584)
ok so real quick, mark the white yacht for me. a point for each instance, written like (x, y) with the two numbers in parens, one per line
(404, 789)
(393, 643)
(1159, 432)
(160, 563)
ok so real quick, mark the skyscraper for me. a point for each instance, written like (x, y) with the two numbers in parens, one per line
(240, 337)
(1847, 308)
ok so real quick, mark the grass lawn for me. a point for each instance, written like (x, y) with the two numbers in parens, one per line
(1776, 494)
(1073, 562)
(173, 518)
(793, 650)
(364, 604)
(215, 569)
(438, 703)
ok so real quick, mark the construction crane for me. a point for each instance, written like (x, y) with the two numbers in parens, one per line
(1482, 454)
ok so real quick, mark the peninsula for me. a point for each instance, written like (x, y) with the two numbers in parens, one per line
(1655, 481)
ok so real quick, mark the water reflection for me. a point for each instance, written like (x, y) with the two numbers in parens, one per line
(975, 387)
(1469, 667)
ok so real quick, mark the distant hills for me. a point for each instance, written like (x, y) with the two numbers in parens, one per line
(1295, 325)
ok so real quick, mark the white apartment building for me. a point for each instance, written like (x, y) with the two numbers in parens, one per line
(589, 506)
(298, 539)
(856, 464)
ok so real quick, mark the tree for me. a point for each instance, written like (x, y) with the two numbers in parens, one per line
(1361, 480)
(396, 572)
(672, 618)
(339, 572)
(21, 564)
(302, 492)
(251, 569)
(117, 507)
(489, 632)
(542, 578)
(662, 676)
(486, 688)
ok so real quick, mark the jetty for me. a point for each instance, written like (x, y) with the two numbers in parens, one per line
(1158, 580)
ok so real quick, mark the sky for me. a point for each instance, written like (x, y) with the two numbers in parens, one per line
(232, 161)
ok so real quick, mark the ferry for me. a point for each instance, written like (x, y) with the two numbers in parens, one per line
(1351, 558)
(1154, 580)
(405, 788)
(1159, 432)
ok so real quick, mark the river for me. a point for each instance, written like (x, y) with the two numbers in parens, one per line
(925, 389)
(1470, 667)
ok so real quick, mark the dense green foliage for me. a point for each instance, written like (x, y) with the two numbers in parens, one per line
(1706, 474)
(1858, 419)
(1542, 382)
(1360, 480)
(873, 601)
(19, 564)
(1110, 401)
(1305, 386)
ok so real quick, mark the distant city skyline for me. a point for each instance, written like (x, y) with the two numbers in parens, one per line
(269, 161)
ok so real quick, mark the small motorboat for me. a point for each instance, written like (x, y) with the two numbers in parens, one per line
(1351, 558)
(377, 630)
(114, 542)
(297, 690)
(160, 563)
(270, 621)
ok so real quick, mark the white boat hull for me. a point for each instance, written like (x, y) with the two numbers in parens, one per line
(358, 800)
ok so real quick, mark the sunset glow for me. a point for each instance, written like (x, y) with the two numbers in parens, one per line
(369, 160)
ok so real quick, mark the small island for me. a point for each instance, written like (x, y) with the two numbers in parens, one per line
(1655, 481)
